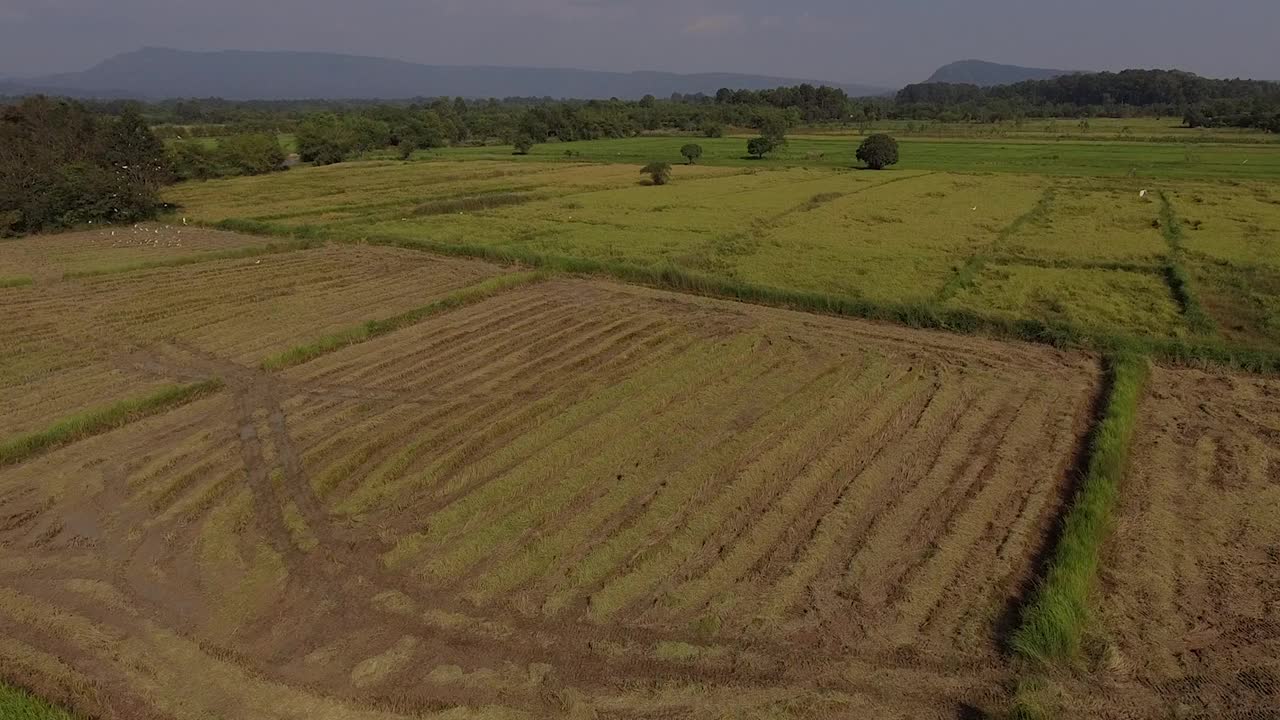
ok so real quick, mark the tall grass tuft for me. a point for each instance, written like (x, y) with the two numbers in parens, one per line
(100, 420)
(1175, 273)
(1053, 623)
(373, 328)
(18, 704)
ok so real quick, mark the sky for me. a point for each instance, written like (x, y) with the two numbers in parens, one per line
(880, 42)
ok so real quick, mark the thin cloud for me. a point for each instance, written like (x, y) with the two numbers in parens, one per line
(716, 25)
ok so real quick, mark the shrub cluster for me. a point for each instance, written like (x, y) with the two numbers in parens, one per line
(248, 154)
(62, 166)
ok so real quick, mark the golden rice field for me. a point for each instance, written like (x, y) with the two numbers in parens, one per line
(570, 499)
(1087, 253)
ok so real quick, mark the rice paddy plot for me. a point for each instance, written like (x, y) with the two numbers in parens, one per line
(571, 498)
(47, 258)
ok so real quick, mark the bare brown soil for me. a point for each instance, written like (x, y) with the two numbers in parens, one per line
(1191, 607)
(576, 499)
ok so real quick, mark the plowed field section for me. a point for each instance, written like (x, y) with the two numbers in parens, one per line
(1192, 604)
(574, 498)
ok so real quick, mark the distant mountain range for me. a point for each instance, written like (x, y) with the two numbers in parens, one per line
(156, 73)
(986, 74)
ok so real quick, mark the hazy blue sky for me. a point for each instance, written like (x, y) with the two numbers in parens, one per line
(888, 42)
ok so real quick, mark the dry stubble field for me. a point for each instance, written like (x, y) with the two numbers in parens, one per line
(584, 499)
(572, 497)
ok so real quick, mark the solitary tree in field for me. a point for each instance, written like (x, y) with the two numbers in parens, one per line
(659, 172)
(523, 145)
(759, 147)
(878, 151)
(691, 152)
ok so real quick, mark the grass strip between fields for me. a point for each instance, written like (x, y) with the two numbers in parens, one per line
(374, 328)
(968, 273)
(15, 282)
(1175, 272)
(1053, 624)
(229, 254)
(18, 704)
(926, 315)
(100, 420)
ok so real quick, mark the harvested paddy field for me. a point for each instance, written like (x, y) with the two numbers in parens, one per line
(115, 247)
(1190, 607)
(78, 343)
(569, 499)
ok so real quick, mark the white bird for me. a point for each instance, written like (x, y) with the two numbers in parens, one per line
(1246, 162)
(975, 207)
(1142, 194)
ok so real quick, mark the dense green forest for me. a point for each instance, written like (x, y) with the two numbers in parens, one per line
(62, 164)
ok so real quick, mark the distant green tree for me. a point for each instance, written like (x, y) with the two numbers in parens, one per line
(193, 160)
(323, 139)
(250, 154)
(759, 147)
(713, 129)
(691, 152)
(648, 101)
(659, 172)
(878, 151)
(523, 145)
(773, 125)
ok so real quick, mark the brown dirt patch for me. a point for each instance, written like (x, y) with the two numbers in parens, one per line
(1191, 602)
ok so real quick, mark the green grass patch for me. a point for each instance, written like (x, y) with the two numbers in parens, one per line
(1053, 624)
(374, 328)
(1176, 274)
(15, 282)
(18, 704)
(1060, 157)
(471, 204)
(232, 254)
(100, 420)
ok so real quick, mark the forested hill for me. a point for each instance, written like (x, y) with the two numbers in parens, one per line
(987, 74)
(157, 73)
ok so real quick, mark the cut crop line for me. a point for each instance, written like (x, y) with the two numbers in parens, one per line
(100, 420)
(374, 328)
(968, 273)
(232, 254)
(1150, 268)
(1175, 272)
(15, 282)
(929, 315)
(1053, 624)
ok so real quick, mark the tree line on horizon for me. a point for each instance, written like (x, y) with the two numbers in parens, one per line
(65, 162)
